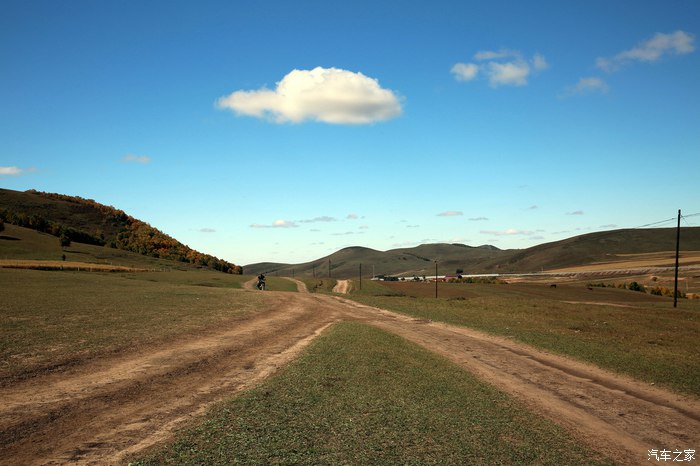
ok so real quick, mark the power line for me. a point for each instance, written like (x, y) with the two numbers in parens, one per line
(656, 223)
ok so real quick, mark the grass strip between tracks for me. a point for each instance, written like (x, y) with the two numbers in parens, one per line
(359, 395)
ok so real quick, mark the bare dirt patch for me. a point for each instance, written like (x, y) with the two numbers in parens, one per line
(342, 287)
(103, 410)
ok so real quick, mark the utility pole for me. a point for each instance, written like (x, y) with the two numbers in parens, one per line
(678, 244)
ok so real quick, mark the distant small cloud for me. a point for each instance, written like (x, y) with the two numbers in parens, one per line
(508, 232)
(412, 226)
(539, 62)
(276, 224)
(352, 217)
(478, 219)
(651, 50)
(465, 71)
(576, 212)
(328, 95)
(206, 230)
(501, 68)
(11, 171)
(610, 225)
(450, 213)
(323, 218)
(533, 207)
(131, 158)
(585, 86)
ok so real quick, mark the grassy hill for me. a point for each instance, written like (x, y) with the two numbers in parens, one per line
(607, 246)
(409, 261)
(77, 220)
(592, 248)
(24, 244)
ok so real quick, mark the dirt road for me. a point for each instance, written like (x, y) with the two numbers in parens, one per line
(342, 287)
(106, 409)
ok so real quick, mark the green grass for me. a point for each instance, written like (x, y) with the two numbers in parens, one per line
(361, 396)
(22, 243)
(320, 285)
(280, 284)
(636, 334)
(53, 318)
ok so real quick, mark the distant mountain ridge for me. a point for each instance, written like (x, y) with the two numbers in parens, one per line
(73, 218)
(421, 260)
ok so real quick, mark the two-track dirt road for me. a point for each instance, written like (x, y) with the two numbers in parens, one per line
(103, 410)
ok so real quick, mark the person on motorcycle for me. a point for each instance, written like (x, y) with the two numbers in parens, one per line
(261, 281)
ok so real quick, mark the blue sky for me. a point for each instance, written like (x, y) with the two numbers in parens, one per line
(284, 131)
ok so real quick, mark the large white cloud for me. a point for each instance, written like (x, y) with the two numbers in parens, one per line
(329, 95)
(676, 43)
(502, 67)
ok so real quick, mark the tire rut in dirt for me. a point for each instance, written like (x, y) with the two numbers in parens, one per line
(610, 413)
(118, 415)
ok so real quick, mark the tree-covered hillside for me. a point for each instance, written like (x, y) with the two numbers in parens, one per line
(73, 218)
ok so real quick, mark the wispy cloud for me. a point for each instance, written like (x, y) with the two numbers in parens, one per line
(11, 171)
(450, 213)
(276, 224)
(576, 212)
(323, 218)
(352, 217)
(348, 233)
(131, 158)
(508, 232)
(501, 68)
(206, 230)
(651, 50)
(465, 71)
(478, 219)
(328, 95)
(585, 86)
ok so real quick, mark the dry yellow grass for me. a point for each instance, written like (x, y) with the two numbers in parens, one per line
(638, 261)
(65, 265)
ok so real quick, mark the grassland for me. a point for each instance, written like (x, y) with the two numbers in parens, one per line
(624, 331)
(50, 319)
(362, 396)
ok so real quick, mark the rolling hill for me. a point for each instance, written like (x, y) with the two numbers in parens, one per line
(99, 229)
(74, 219)
(592, 248)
